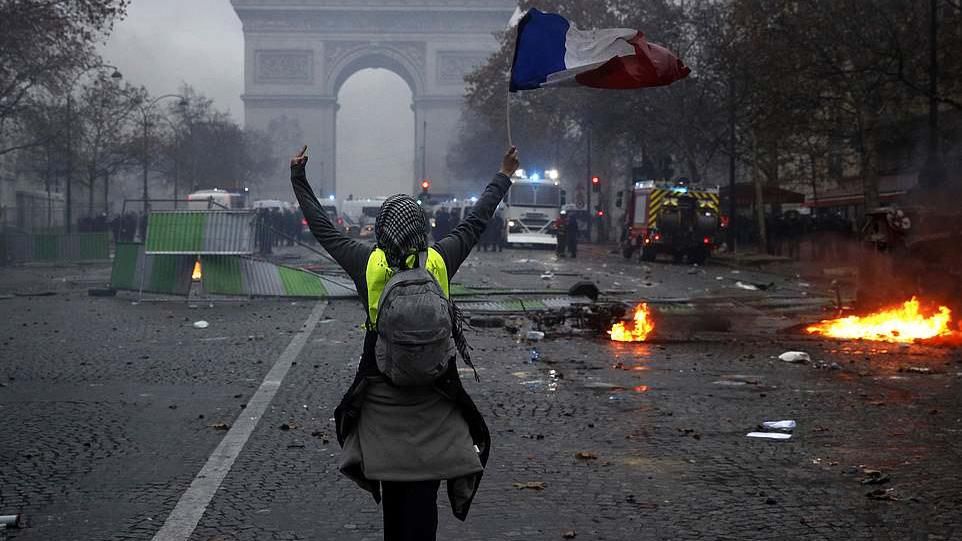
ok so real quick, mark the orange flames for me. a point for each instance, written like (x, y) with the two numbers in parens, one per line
(636, 330)
(196, 275)
(903, 324)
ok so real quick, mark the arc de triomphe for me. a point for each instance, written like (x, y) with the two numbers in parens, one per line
(298, 53)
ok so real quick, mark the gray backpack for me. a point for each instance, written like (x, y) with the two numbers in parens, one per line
(415, 329)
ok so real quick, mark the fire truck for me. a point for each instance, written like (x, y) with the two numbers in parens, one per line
(671, 218)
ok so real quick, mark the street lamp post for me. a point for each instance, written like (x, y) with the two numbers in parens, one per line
(145, 162)
(68, 217)
(933, 172)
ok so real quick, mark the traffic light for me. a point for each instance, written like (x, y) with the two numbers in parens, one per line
(596, 184)
(425, 186)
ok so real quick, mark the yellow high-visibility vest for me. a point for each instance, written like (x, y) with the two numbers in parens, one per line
(378, 274)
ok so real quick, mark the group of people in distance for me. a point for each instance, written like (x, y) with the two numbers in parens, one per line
(492, 239)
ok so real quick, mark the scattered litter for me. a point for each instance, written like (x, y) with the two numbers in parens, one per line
(535, 356)
(769, 435)
(798, 357)
(201, 324)
(719, 278)
(781, 426)
(220, 426)
(603, 386)
(287, 426)
(749, 287)
(694, 270)
(883, 494)
(570, 534)
(585, 455)
(530, 485)
(535, 336)
(917, 369)
(875, 477)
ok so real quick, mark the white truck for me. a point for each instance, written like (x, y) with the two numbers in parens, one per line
(531, 208)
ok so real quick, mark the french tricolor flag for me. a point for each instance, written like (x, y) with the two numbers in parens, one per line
(551, 51)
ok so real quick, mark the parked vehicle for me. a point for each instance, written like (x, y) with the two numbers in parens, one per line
(673, 219)
(217, 199)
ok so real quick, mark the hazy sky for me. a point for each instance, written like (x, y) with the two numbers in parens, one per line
(165, 43)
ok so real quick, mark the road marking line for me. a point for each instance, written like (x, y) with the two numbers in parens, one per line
(193, 503)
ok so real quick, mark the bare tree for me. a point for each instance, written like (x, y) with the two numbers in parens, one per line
(43, 45)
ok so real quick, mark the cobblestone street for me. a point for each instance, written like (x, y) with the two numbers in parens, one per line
(113, 406)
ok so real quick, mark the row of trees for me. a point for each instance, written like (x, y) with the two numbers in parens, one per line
(69, 121)
(796, 92)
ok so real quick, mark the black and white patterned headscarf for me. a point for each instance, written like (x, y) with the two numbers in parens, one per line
(401, 229)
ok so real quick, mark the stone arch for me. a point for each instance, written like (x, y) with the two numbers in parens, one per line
(345, 61)
(299, 53)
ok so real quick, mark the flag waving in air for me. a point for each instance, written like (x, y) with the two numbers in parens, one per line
(552, 51)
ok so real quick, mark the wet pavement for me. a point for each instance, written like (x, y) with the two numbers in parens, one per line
(113, 405)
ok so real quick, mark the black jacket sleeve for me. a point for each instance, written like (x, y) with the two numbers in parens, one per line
(457, 245)
(350, 254)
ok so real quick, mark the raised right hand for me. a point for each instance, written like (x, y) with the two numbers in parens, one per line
(510, 162)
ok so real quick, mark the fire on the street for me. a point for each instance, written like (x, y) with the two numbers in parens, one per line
(636, 330)
(196, 274)
(904, 324)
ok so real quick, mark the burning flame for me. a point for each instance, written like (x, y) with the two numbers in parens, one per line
(196, 275)
(904, 324)
(636, 330)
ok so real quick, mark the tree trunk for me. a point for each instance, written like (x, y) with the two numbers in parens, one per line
(869, 159)
(106, 192)
(91, 180)
(759, 199)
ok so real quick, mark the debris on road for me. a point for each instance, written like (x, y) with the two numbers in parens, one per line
(287, 426)
(875, 477)
(798, 357)
(220, 426)
(883, 494)
(12, 521)
(201, 324)
(780, 426)
(534, 336)
(530, 485)
(586, 455)
(917, 370)
(769, 435)
(748, 287)
(487, 322)
(535, 356)
(102, 292)
(34, 293)
(570, 534)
